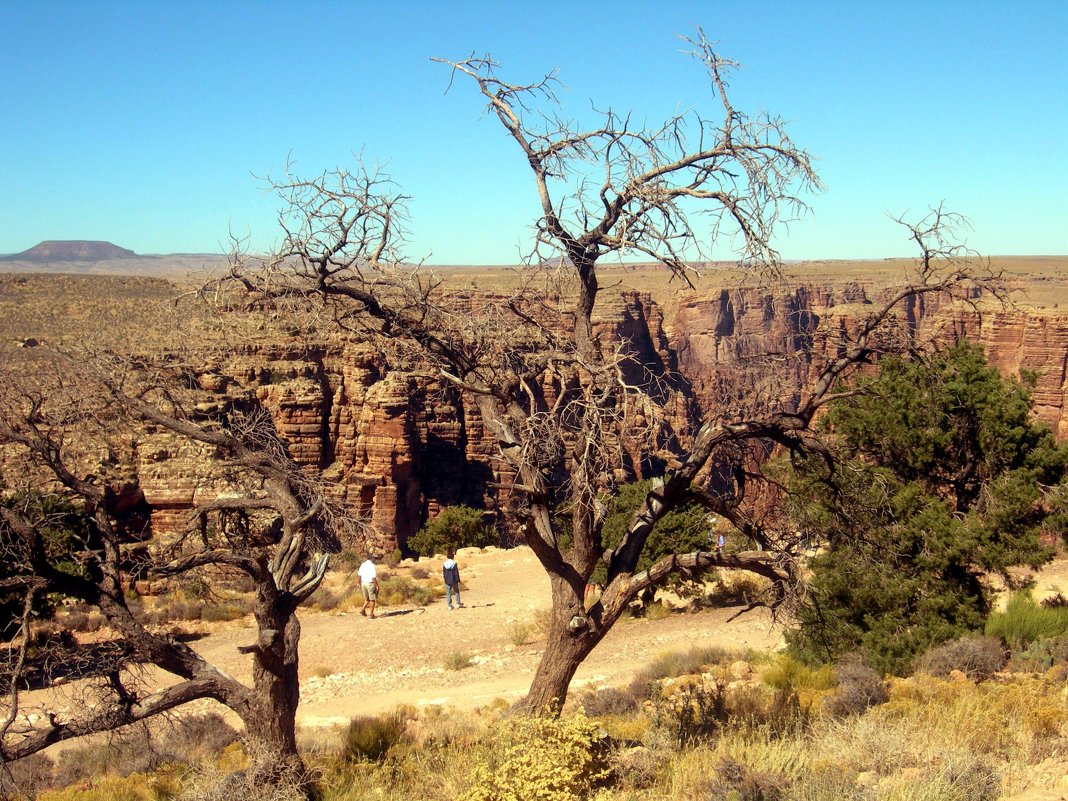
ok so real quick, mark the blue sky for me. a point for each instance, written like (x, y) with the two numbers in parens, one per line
(143, 123)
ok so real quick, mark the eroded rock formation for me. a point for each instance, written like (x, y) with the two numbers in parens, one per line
(398, 445)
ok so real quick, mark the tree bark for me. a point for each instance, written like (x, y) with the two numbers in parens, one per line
(572, 635)
(270, 723)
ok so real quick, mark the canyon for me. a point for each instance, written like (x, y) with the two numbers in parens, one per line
(398, 444)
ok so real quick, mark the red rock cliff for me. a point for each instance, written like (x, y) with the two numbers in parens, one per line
(399, 445)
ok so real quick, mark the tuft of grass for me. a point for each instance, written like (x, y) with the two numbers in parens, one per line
(324, 599)
(657, 611)
(371, 737)
(519, 633)
(234, 609)
(610, 701)
(792, 675)
(1023, 622)
(672, 664)
(322, 671)
(540, 620)
(457, 660)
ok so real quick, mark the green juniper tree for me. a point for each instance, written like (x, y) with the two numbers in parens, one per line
(455, 527)
(944, 478)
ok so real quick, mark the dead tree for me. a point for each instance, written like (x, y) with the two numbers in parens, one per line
(72, 428)
(562, 404)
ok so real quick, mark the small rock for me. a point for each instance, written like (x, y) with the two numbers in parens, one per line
(741, 669)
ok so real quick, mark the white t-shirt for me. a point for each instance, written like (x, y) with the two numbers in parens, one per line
(368, 572)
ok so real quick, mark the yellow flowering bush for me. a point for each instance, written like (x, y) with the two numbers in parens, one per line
(539, 759)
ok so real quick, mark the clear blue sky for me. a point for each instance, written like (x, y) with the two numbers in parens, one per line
(143, 122)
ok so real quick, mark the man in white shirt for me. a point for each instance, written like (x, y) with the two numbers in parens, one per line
(367, 581)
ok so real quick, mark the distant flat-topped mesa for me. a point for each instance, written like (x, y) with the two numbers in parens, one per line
(72, 250)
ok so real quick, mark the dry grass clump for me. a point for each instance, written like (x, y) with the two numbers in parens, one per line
(457, 660)
(978, 658)
(182, 605)
(372, 737)
(859, 688)
(610, 701)
(519, 633)
(672, 664)
(540, 620)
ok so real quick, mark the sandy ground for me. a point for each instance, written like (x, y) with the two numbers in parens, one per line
(353, 665)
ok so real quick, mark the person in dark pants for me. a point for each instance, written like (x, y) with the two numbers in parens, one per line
(451, 571)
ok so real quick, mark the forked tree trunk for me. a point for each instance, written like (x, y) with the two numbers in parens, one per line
(571, 637)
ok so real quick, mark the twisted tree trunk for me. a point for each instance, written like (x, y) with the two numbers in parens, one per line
(571, 636)
(270, 720)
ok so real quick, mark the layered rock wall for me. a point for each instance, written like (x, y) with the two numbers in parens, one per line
(397, 445)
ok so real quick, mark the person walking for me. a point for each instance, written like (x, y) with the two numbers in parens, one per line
(451, 572)
(367, 581)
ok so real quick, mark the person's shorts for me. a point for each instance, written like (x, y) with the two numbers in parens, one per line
(369, 593)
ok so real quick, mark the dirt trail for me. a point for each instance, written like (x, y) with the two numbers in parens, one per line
(352, 665)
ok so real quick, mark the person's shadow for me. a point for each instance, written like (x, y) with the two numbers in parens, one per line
(398, 612)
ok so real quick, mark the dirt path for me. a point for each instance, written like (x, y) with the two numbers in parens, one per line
(352, 665)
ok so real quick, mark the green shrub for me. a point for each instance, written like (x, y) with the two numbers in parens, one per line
(455, 527)
(540, 759)
(66, 534)
(978, 658)
(396, 590)
(1023, 622)
(681, 530)
(195, 586)
(371, 737)
(944, 476)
